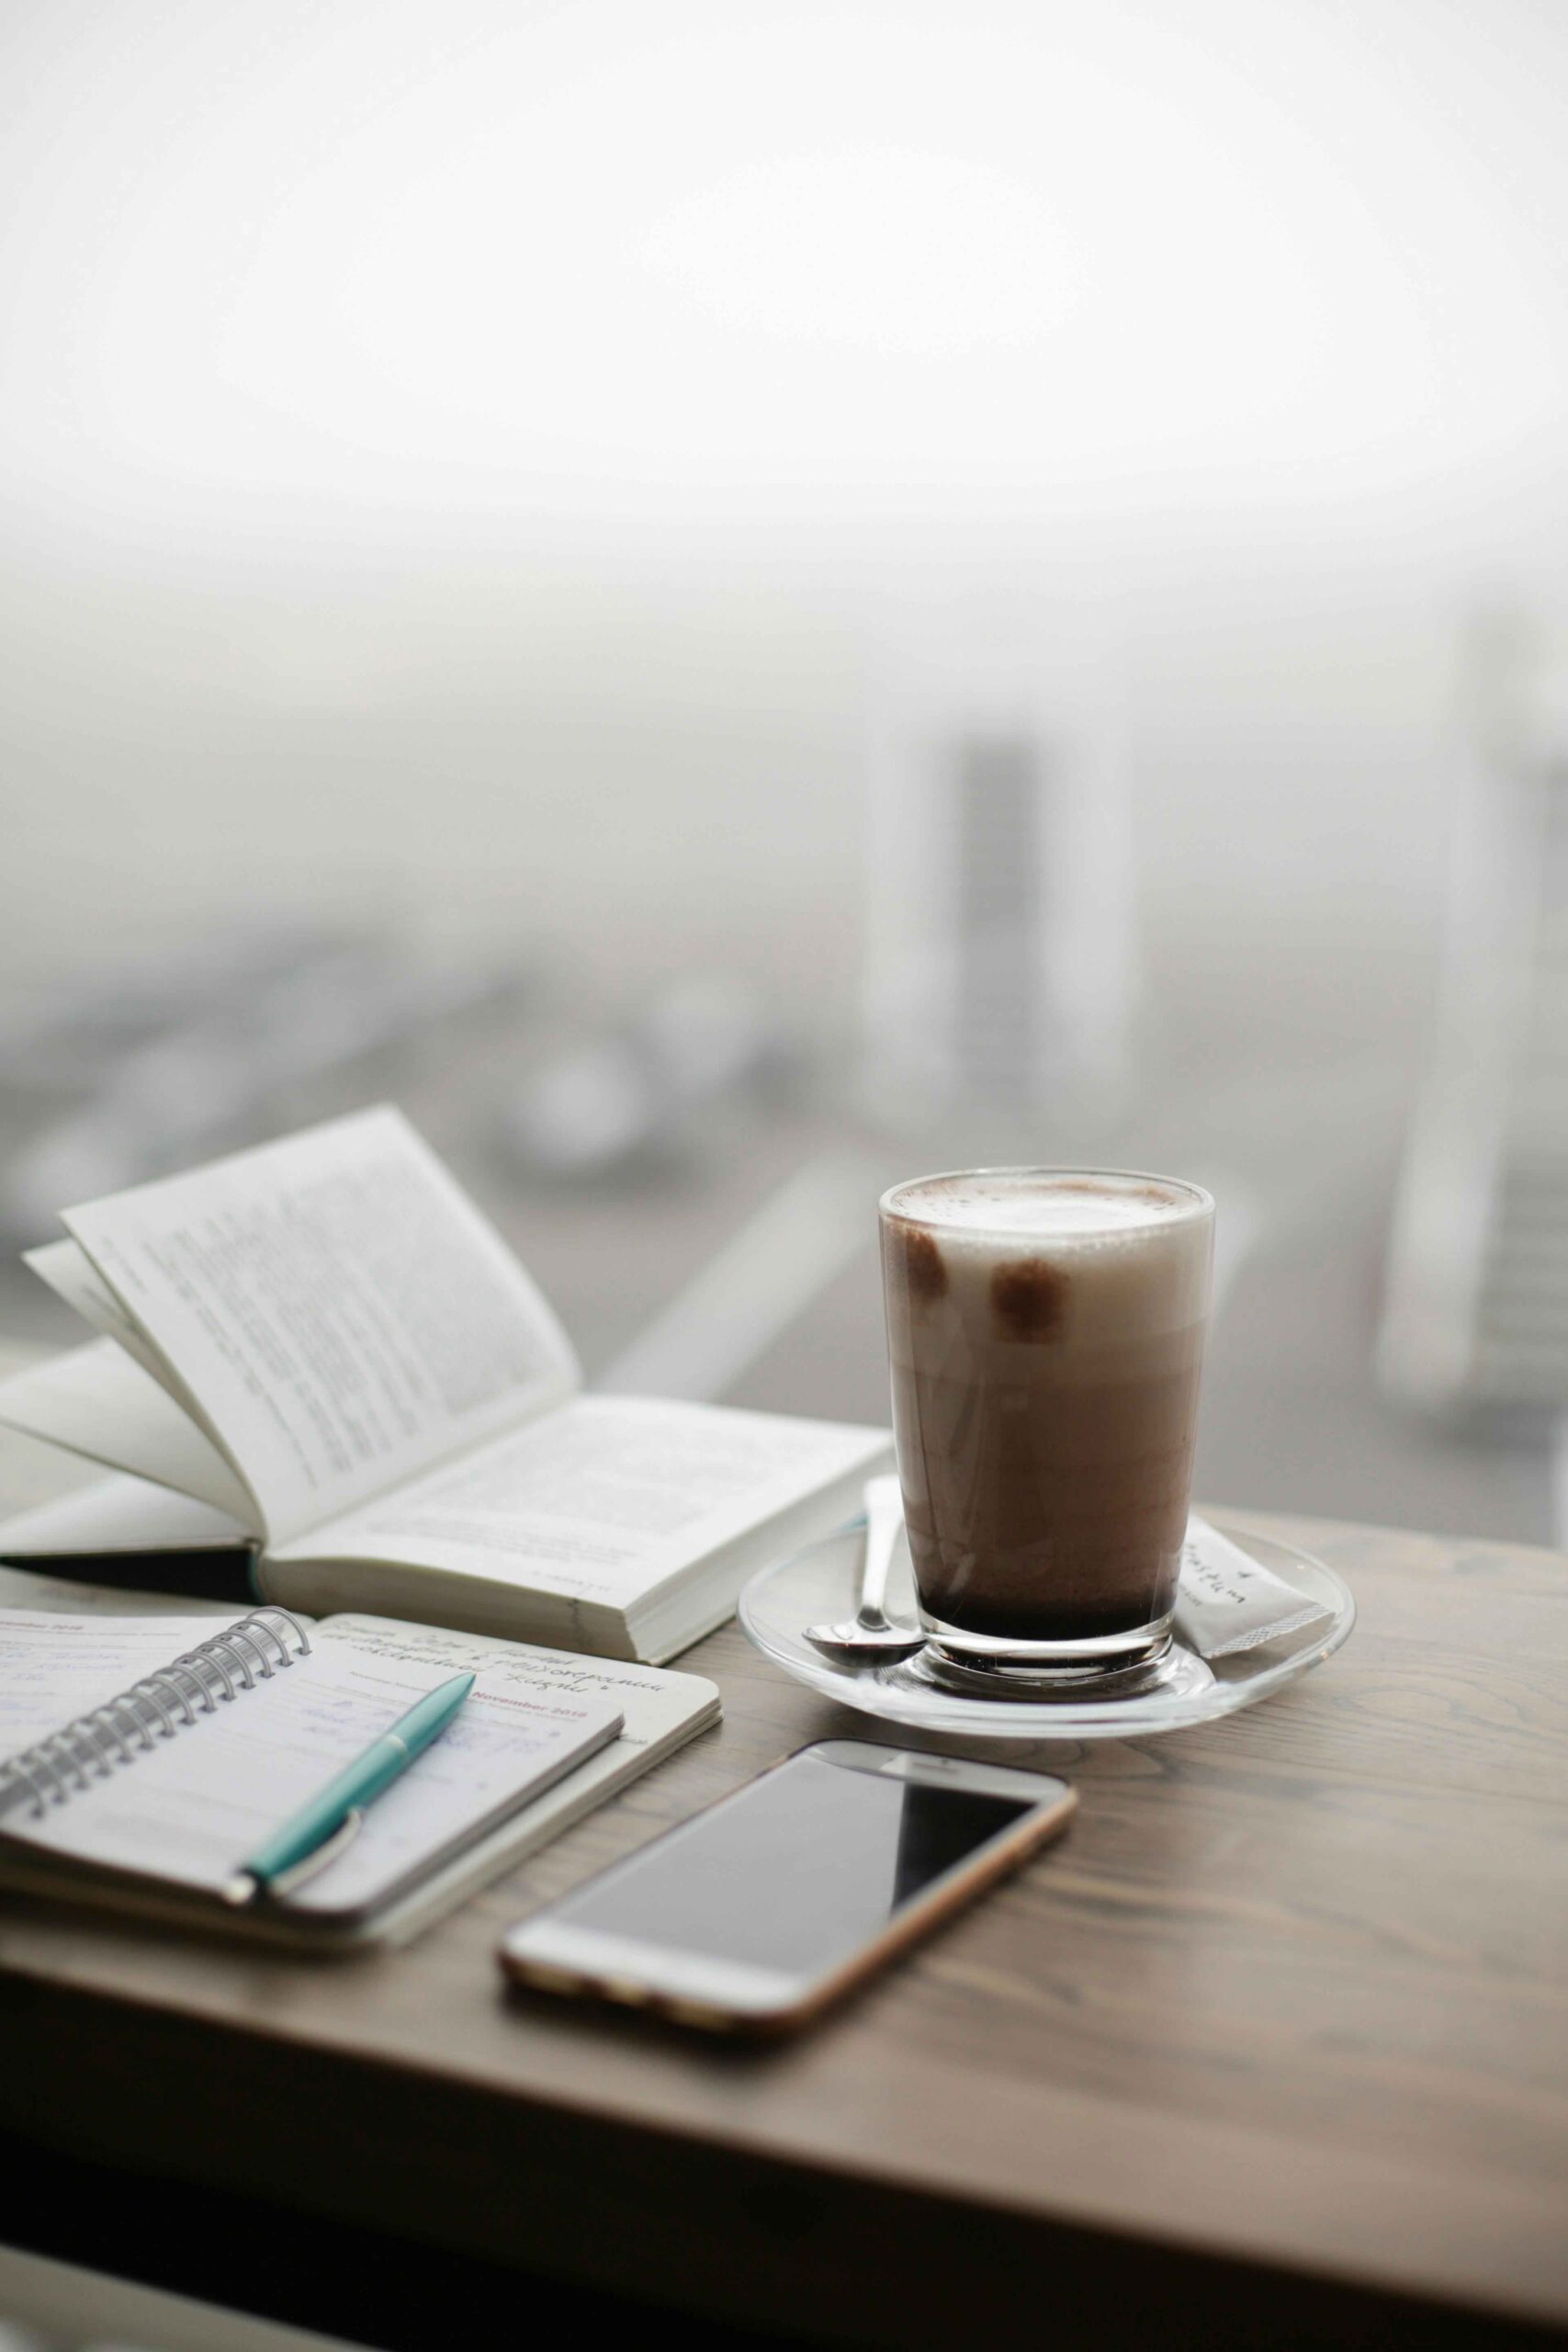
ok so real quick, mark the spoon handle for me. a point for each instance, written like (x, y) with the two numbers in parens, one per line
(884, 1524)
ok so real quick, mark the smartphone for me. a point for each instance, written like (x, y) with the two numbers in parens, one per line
(757, 1912)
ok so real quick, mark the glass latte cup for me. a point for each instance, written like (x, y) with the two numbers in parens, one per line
(1046, 1331)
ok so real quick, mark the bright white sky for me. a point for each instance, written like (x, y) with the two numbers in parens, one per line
(569, 258)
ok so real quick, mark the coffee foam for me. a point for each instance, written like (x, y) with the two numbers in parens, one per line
(1063, 1260)
(1044, 1207)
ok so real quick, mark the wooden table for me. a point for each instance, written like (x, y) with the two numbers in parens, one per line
(1273, 2049)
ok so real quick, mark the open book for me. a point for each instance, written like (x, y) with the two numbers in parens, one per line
(142, 1757)
(324, 1344)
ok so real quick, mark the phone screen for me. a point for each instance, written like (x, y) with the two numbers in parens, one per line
(800, 1869)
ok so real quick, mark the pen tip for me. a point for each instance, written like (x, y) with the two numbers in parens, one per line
(241, 1888)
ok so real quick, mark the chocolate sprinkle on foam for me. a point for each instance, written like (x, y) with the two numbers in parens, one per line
(1029, 1298)
(923, 1268)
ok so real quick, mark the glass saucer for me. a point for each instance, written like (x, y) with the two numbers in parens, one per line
(820, 1584)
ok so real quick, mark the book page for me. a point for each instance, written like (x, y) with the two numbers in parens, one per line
(93, 1401)
(192, 1808)
(340, 1307)
(119, 1514)
(601, 1500)
(72, 1275)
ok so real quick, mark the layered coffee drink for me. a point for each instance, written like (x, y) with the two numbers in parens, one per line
(1046, 1331)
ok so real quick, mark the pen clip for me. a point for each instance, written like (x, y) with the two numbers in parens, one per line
(284, 1884)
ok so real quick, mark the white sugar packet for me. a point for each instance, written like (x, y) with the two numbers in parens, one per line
(1227, 1602)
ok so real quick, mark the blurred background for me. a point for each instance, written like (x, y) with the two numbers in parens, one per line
(732, 604)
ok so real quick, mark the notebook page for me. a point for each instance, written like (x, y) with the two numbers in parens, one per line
(601, 1500)
(338, 1305)
(662, 1710)
(190, 1810)
(28, 1589)
(654, 1708)
(55, 1666)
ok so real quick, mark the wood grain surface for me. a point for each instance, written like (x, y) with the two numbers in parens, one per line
(1272, 2047)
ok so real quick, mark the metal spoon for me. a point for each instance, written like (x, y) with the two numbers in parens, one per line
(871, 1631)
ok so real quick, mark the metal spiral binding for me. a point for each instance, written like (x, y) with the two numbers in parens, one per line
(198, 1682)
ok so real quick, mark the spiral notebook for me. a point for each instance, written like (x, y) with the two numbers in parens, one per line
(142, 1759)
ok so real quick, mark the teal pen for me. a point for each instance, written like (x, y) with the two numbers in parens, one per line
(305, 1834)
